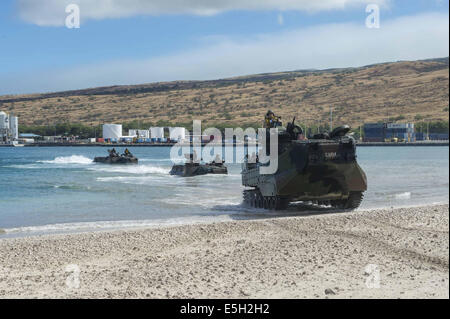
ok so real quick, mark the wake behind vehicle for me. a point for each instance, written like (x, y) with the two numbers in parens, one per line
(116, 158)
(322, 170)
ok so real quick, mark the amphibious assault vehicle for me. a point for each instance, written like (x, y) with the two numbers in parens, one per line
(193, 169)
(116, 158)
(322, 170)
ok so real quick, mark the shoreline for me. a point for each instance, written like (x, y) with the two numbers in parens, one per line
(358, 144)
(280, 257)
(77, 228)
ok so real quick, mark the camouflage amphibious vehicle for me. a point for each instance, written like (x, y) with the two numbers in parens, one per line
(322, 170)
(194, 169)
(116, 158)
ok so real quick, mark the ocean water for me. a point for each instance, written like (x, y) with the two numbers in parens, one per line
(60, 189)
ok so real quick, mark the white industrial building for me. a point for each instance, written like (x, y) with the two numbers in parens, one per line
(9, 127)
(139, 133)
(112, 131)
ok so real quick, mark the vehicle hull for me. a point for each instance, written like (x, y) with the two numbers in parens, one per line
(321, 171)
(116, 160)
(194, 169)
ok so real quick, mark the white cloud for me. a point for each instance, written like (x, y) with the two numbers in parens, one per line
(52, 12)
(334, 45)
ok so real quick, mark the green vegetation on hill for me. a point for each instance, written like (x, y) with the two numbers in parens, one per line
(433, 127)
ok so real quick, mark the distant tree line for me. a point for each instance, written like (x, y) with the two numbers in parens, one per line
(432, 126)
(87, 131)
(63, 129)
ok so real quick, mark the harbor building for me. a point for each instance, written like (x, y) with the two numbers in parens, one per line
(389, 132)
(374, 132)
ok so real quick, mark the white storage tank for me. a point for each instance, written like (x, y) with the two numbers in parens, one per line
(157, 132)
(14, 127)
(4, 120)
(177, 133)
(112, 131)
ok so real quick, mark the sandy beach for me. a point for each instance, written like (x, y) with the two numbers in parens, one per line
(389, 253)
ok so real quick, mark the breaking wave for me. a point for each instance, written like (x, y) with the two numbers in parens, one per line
(74, 159)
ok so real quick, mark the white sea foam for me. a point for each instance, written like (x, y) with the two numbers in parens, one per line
(24, 166)
(405, 195)
(204, 200)
(132, 169)
(155, 160)
(111, 225)
(138, 180)
(74, 159)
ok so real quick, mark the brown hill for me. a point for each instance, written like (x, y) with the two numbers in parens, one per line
(406, 91)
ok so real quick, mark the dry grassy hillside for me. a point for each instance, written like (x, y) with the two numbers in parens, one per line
(401, 90)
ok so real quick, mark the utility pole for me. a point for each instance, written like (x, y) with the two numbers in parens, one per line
(331, 118)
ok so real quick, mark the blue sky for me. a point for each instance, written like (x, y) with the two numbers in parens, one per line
(139, 41)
